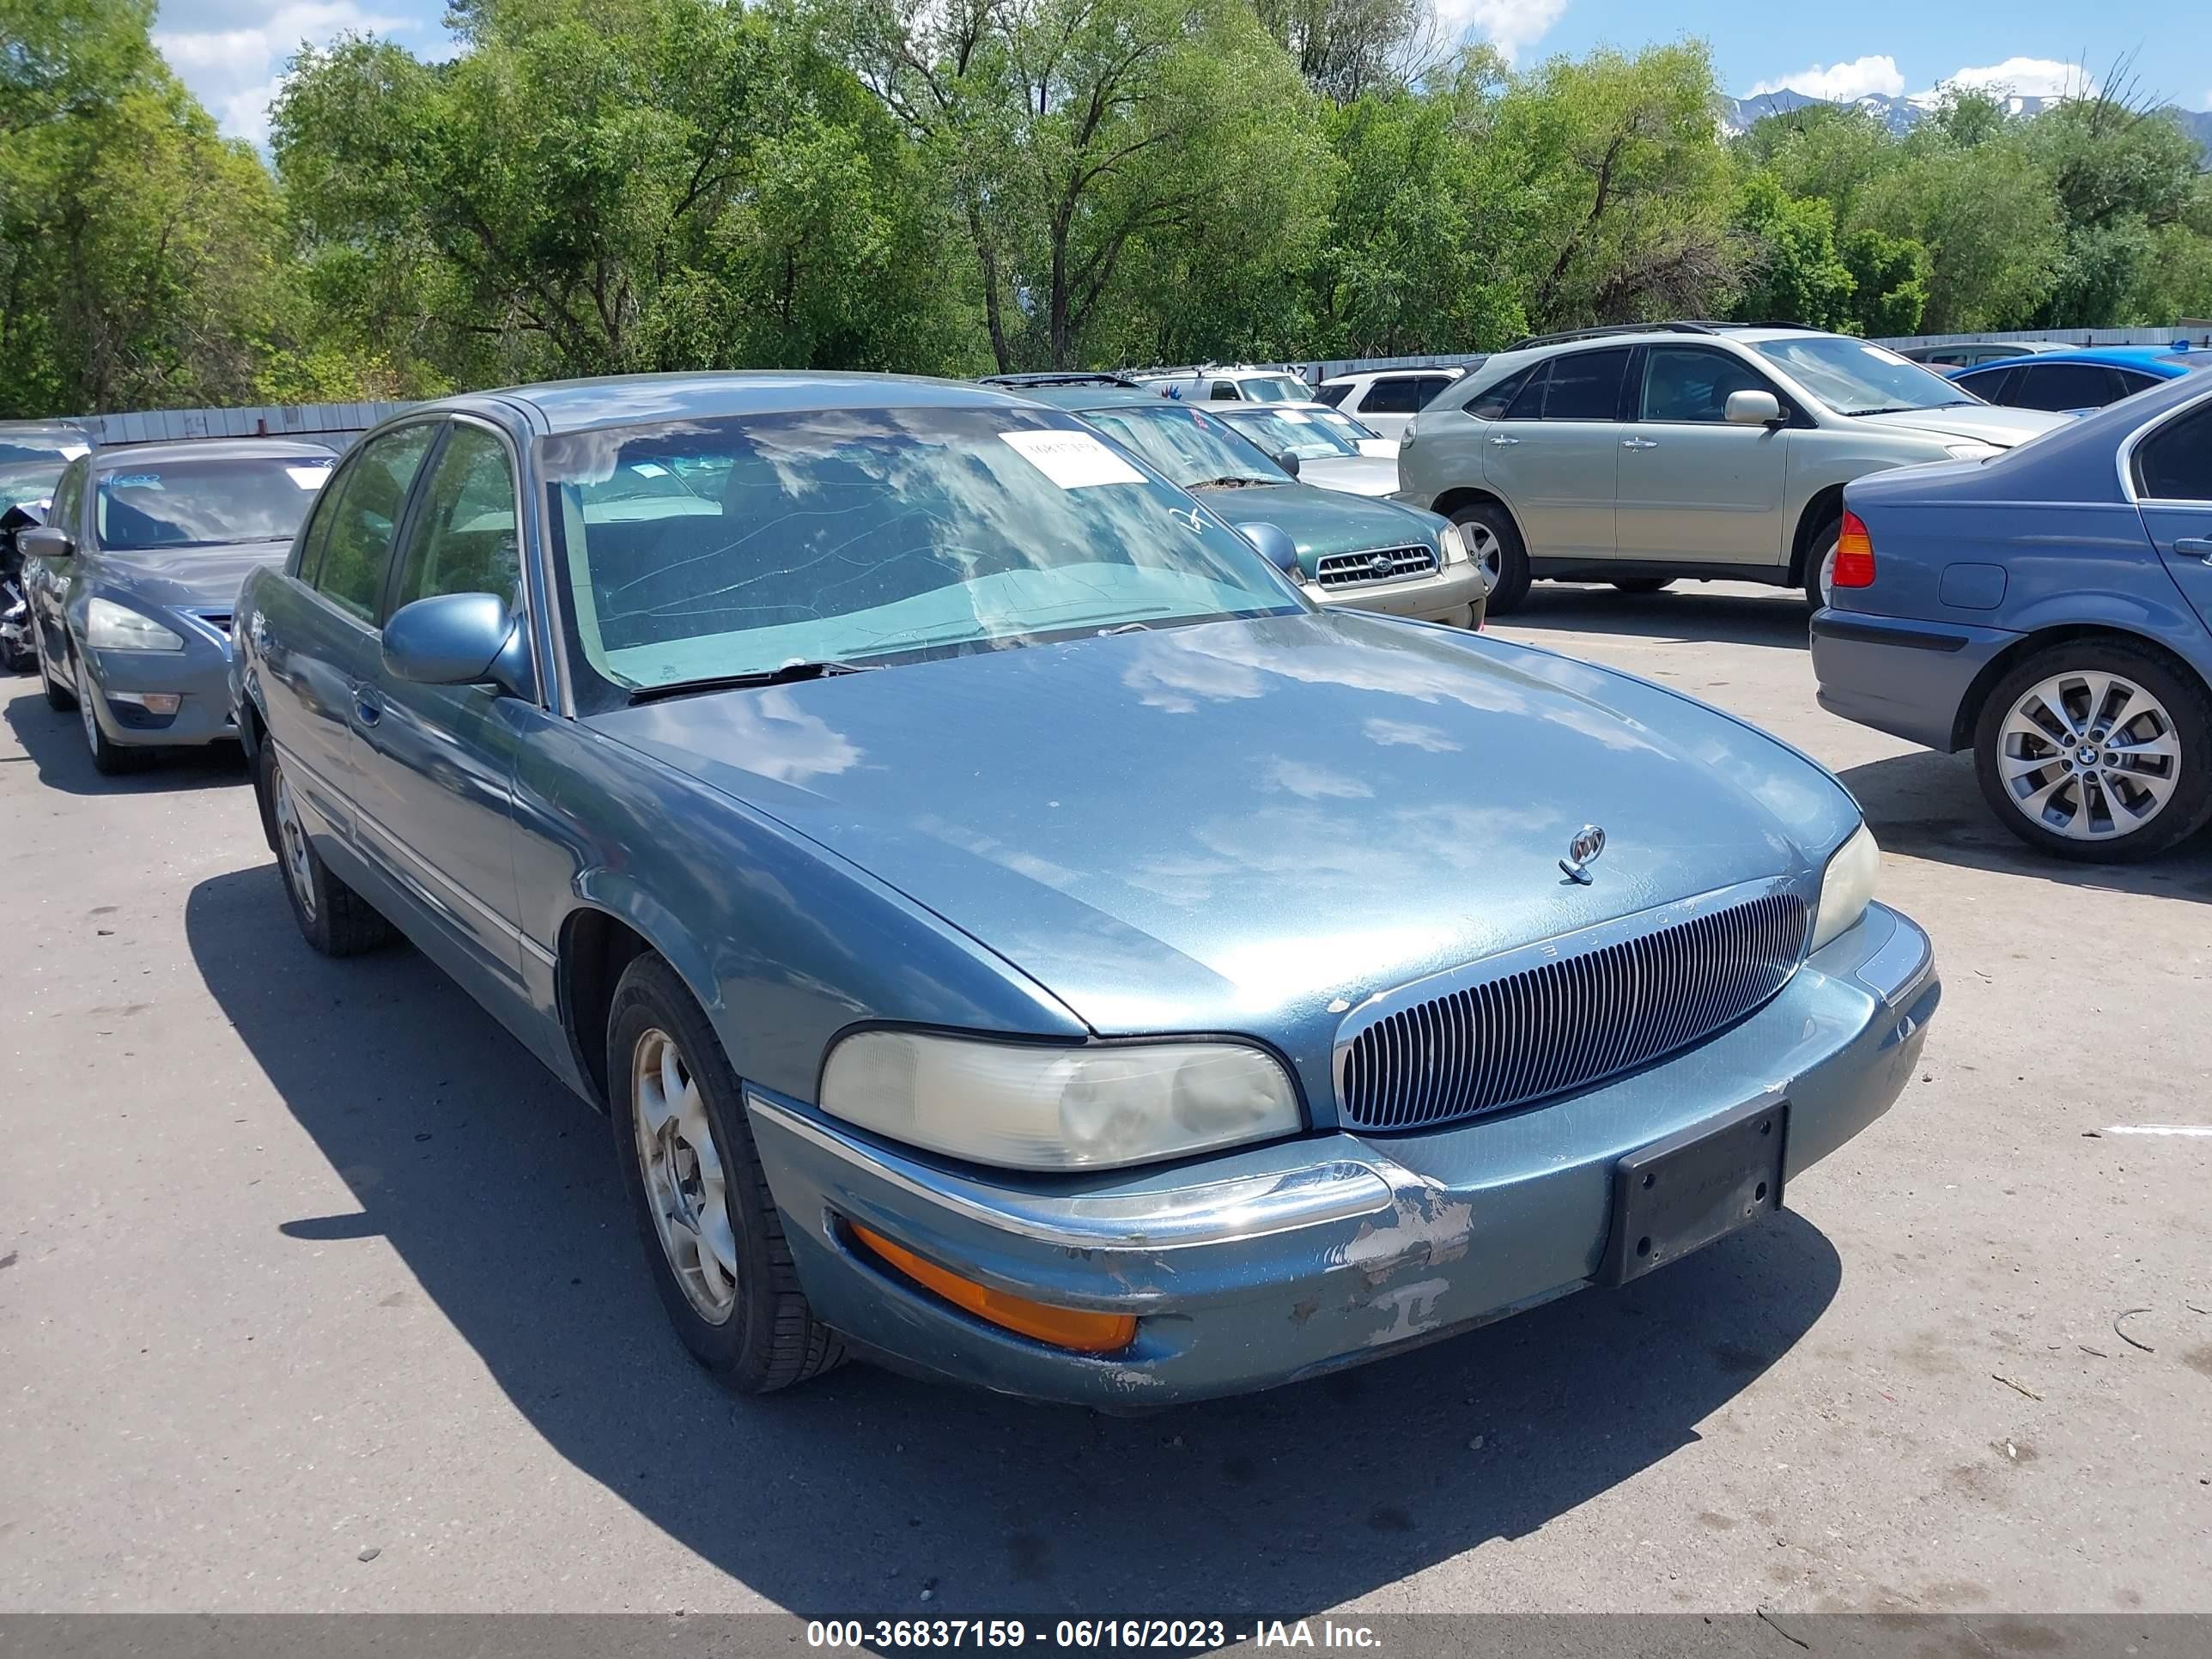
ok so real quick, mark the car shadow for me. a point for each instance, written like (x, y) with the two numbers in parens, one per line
(1688, 613)
(853, 1494)
(54, 743)
(1928, 806)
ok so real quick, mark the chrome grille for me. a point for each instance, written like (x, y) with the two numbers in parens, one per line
(1571, 1021)
(1380, 564)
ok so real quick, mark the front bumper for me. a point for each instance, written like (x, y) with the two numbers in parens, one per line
(1906, 677)
(1289, 1261)
(199, 676)
(1454, 594)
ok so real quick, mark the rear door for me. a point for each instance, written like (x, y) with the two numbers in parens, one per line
(1555, 455)
(2172, 472)
(316, 632)
(436, 761)
(1692, 488)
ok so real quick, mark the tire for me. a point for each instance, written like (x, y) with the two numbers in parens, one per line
(2066, 812)
(744, 1319)
(109, 758)
(1496, 525)
(59, 698)
(1820, 554)
(333, 918)
(1642, 584)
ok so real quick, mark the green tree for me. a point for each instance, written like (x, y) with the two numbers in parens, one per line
(1889, 284)
(1792, 272)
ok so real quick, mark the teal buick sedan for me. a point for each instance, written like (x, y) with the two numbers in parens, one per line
(1014, 931)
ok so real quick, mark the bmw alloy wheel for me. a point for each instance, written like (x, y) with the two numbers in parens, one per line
(292, 842)
(684, 1178)
(2090, 755)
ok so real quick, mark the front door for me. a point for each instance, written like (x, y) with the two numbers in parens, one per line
(2172, 468)
(437, 761)
(1555, 455)
(1692, 488)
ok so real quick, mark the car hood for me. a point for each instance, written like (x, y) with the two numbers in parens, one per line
(1325, 521)
(1985, 423)
(1363, 475)
(190, 578)
(1245, 824)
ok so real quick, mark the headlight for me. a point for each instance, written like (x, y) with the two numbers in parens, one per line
(1454, 542)
(1036, 1108)
(1971, 452)
(1405, 438)
(112, 627)
(1846, 886)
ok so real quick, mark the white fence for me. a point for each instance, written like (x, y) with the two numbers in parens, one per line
(335, 424)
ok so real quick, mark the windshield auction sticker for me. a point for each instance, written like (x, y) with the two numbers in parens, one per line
(1073, 460)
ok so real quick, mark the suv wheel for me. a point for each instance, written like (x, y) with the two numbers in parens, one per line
(713, 1235)
(1821, 563)
(2097, 752)
(1494, 544)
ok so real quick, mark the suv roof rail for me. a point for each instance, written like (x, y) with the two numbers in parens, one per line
(1060, 377)
(1675, 326)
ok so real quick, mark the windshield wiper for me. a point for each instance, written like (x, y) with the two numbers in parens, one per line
(1231, 482)
(1896, 409)
(782, 675)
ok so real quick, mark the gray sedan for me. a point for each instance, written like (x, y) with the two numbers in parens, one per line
(132, 577)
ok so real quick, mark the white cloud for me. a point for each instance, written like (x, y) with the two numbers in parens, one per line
(1840, 82)
(1511, 26)
(2028, 77)
(236, 72)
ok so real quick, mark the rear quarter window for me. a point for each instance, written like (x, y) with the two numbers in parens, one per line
(2175, 463)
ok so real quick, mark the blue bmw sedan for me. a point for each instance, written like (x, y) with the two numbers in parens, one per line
(1014, 932)
(2050, 608)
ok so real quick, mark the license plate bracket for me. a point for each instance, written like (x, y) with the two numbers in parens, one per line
(1679, 1195)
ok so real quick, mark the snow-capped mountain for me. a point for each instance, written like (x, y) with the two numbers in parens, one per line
(1900, 115)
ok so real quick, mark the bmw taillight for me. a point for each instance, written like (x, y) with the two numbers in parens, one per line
(1854, 554)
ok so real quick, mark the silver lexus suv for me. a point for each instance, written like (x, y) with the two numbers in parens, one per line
(1640, 456)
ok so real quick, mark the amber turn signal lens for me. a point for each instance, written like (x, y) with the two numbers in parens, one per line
(1854, 554)
(1063, 1328)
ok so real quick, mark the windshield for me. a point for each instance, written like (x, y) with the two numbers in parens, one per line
(20, 485)
(1854, 377)
(1311, 435)
(857, 536)
(1188, 445)
(206, 503)
(20, 447)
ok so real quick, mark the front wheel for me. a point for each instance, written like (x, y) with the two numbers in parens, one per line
(59, 697)
(109, 758)
(2098, 752)
(1494, 544)
(713, 1236)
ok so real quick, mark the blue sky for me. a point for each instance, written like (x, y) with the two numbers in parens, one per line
(232, 52)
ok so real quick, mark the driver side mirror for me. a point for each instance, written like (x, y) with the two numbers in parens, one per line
(1753, 407)
(1287, 461)
(46, 542)
(1274, 544)
(459, 639)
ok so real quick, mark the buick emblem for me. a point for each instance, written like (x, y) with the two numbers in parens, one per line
(1584, 850)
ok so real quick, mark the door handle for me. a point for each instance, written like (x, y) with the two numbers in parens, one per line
(1501, 440)
(2198, 547)
(366, 709)
(1639, 443)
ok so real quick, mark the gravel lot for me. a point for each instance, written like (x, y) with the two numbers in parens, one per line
(316, 1293)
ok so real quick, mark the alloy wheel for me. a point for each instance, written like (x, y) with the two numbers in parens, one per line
(684, 1184)
(2090, 755)
(1828, 575)
(292, 841)
(1486, 551)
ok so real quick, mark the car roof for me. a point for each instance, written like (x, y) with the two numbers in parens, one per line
(2154, 358)
(121, 458)
(1449, 370)
(639, 399)
(1079, 397)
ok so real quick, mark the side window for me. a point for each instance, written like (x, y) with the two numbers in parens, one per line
(364, 516)
(463, 541)
(2132, 381)
(2061, 387)
(2174, 463)
(317, 535)
(68, 491)
(1585, 385)
(1392, 395)
(1334, 396)
(1688, 384)
(1224, 392)
(1492, 402)
(1527, 403)
(1428, 386)
(1994, 384)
